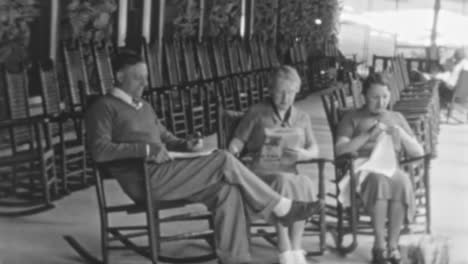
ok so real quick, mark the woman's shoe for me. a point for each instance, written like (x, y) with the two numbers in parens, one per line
(394, 256)
(287, 257)
(379, 256)
(299, 256)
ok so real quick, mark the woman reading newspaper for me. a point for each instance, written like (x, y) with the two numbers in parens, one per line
(275, 135)
(377, 135)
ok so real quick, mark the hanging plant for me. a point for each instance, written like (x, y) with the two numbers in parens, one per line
(265, 18)
(223, 18)
(313, 21)
(186, 18)
(15, 16)
(89, 19)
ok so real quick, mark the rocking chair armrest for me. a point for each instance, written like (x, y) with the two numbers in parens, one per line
(426, 158)
(57, 118)
(101, 166)
(345, 157)
(315, 160)
(420, 83)
(23, 121)
(73, 115)
(64, 116)
(141, 160)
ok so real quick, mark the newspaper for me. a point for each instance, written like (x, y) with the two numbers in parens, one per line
(190, 155)
(272, 156)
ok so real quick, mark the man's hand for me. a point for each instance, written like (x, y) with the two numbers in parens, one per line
(236, 146)
(159, 154)
(195, 143)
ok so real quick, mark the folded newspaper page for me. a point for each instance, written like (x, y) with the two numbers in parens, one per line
(190, 155)
(272, 156)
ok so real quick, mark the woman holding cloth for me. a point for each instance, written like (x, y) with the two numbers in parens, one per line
(384, 197)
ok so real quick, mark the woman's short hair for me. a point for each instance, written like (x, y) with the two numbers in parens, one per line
(125, 58)
(285, 72)
(372, 79)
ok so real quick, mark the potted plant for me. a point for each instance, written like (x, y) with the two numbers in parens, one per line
(223, 18)
(88, 20)
(15, 16)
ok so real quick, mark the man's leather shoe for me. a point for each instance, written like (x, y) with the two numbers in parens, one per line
(301, 211)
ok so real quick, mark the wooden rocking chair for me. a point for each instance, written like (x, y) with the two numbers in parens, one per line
(128, 237)
(228, 121)
(30, 182)
(353, 220)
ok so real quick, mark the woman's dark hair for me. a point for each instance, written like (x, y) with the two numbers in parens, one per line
(125, 58)
(374, 78)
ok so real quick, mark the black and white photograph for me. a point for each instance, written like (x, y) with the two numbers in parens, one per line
(233, 131)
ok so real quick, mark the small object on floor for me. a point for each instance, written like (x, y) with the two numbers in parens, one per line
(425, 249)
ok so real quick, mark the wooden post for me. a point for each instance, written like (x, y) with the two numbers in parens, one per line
(277, 20)
(433, 51)
(202, 20)
(53, 29)
(41, 30)
(122, 23)
(162, 4)
(250, 18)
(146, 23)
(243, 18)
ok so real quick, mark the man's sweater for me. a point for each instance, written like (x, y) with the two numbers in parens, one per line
(116, 130)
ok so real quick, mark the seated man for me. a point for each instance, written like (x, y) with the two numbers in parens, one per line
(122, 126)
(450, 78)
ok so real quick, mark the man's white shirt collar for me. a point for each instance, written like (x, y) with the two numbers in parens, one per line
(122, 95)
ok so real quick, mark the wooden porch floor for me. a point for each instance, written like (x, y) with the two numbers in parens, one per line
(38, 239)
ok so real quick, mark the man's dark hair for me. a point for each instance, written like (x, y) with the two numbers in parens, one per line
(375, 78)
(125, 58)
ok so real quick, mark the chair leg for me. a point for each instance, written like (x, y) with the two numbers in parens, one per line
(323, 224)
(14, 180)
(212, 240)
(152, 218)
(427, 196)
(53, 181)
(83, 252)
(64, 171)
(340, 227)
(45, 182)
(84, 168)
(449, 111)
